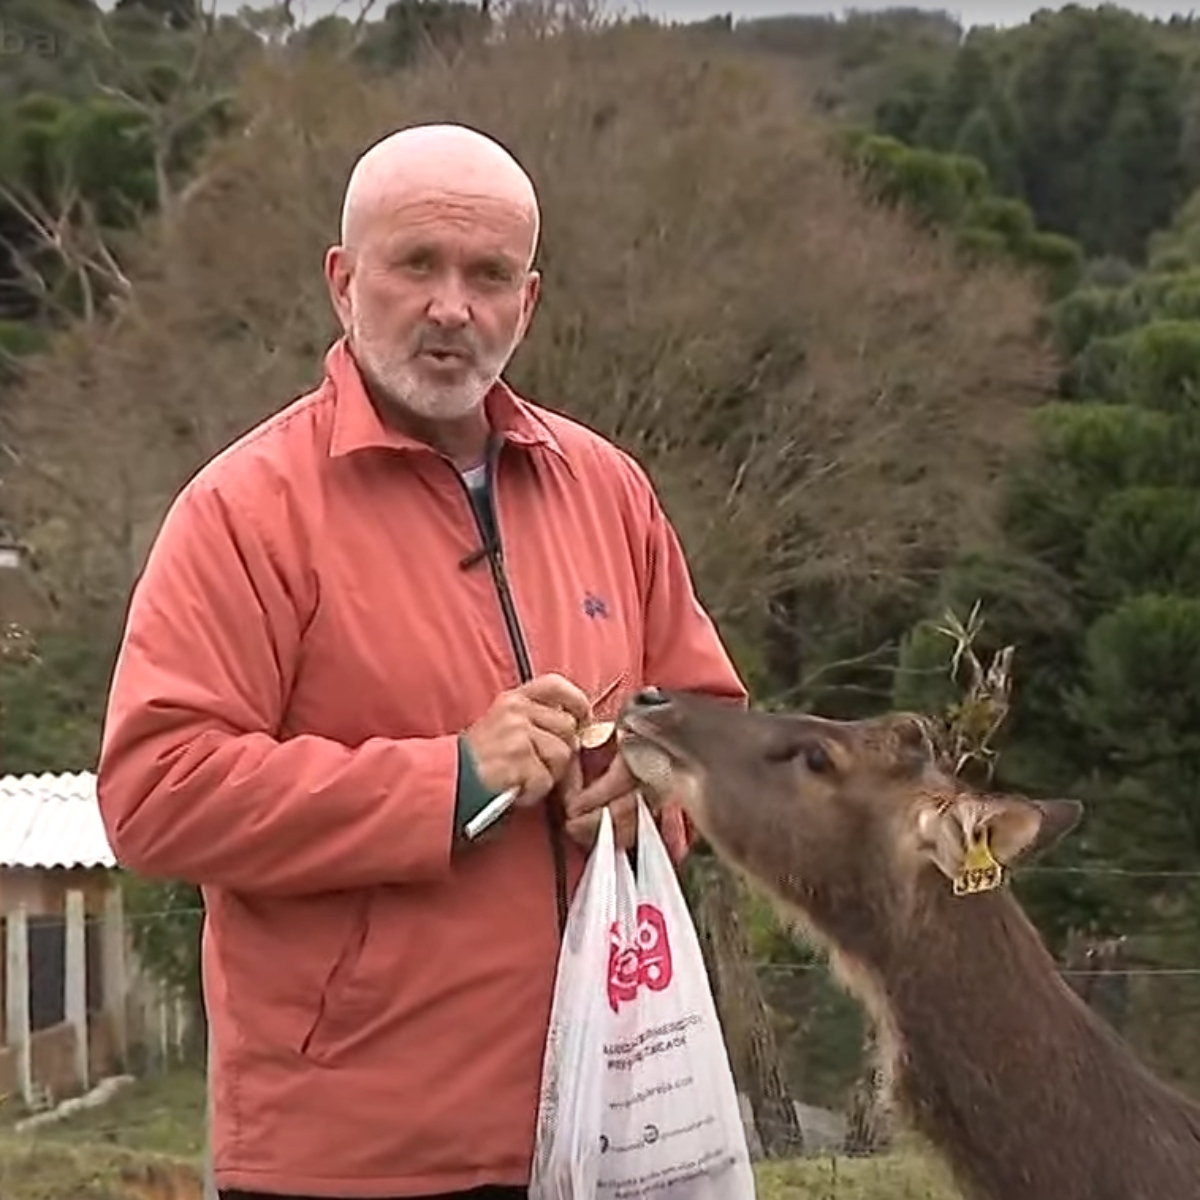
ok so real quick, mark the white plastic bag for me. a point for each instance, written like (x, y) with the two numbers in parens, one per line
(563, 1165)
(638, 1100)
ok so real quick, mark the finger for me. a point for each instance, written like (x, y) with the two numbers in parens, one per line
(537, 781)
(625, 819)
(553, 720)
(585, 829)
(625, 832)
(570, 782)
(556, 692)
(555, 755)
(672, 825)
(624, 807)
(616, 781)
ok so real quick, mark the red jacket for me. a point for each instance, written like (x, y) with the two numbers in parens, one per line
(311, 631)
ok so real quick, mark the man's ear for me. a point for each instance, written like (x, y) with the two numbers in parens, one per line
(337, 280)
(954, 833)
(533, 291)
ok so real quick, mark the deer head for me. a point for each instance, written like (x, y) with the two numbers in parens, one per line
(851, 822)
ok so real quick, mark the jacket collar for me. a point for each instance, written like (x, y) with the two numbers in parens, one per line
(357, 425)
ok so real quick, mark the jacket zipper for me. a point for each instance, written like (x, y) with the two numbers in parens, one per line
(494, 553)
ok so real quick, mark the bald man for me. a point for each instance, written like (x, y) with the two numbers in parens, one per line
(348, 699)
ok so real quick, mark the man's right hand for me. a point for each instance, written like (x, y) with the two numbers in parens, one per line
(529, 737)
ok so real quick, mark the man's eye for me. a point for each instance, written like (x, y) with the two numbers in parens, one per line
(495, 273)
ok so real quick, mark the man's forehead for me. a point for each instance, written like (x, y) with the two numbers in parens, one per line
(481, 224)
(465, 168)
(462, 206)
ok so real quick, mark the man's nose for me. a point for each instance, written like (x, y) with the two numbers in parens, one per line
(450, 303)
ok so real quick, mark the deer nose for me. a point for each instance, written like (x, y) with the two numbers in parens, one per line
(649, 697)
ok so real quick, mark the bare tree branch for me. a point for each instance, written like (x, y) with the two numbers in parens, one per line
(821, 393)
(73, 236)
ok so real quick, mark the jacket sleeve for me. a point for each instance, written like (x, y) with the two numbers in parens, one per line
(193, 780)
(683, 649)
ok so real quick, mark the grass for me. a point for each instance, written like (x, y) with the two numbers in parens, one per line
(907, 1174)
(147, 1144)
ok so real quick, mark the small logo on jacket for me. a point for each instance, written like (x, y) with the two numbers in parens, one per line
(595, 606)
(643, 962)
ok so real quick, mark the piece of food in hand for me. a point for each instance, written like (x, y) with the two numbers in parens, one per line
(597, 749)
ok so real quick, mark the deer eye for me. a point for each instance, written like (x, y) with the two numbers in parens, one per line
(817, 759)
(811, 753)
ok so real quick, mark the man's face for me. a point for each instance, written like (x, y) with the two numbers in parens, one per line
(435, 297)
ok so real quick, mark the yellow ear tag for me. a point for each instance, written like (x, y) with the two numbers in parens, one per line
(980, 870)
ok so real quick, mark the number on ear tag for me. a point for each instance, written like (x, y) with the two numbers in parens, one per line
(980, 870)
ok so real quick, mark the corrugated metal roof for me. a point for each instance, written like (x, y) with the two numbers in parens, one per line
(52, 820)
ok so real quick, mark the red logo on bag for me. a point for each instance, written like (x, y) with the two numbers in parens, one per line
(644, 962)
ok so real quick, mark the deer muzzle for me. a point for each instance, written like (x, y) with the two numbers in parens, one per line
(644, 741)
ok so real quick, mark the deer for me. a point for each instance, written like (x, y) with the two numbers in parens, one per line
(899, 872)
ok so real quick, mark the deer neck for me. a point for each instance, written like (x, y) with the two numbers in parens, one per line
(1006, 1070)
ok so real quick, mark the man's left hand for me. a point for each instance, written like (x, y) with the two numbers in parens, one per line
(617, 788)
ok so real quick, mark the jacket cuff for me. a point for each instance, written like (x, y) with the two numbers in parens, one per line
(471, 796)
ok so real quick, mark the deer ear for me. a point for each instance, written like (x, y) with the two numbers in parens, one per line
(1024, 828)
(972, 839)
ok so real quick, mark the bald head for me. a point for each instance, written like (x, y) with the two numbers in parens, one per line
(433, 280)
(434, 161)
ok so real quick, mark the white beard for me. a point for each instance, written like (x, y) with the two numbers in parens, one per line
(393, 370)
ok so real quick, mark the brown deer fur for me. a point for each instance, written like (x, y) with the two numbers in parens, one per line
(1027, 1093)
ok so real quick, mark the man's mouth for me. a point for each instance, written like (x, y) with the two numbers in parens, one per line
(445, 356)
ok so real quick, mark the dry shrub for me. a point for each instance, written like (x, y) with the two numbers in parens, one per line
(819, 391)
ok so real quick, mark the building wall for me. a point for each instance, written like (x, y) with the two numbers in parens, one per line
(43, 890)
(44, 893)
(53, 1055)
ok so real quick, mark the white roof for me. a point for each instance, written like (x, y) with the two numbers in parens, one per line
(52, 821)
